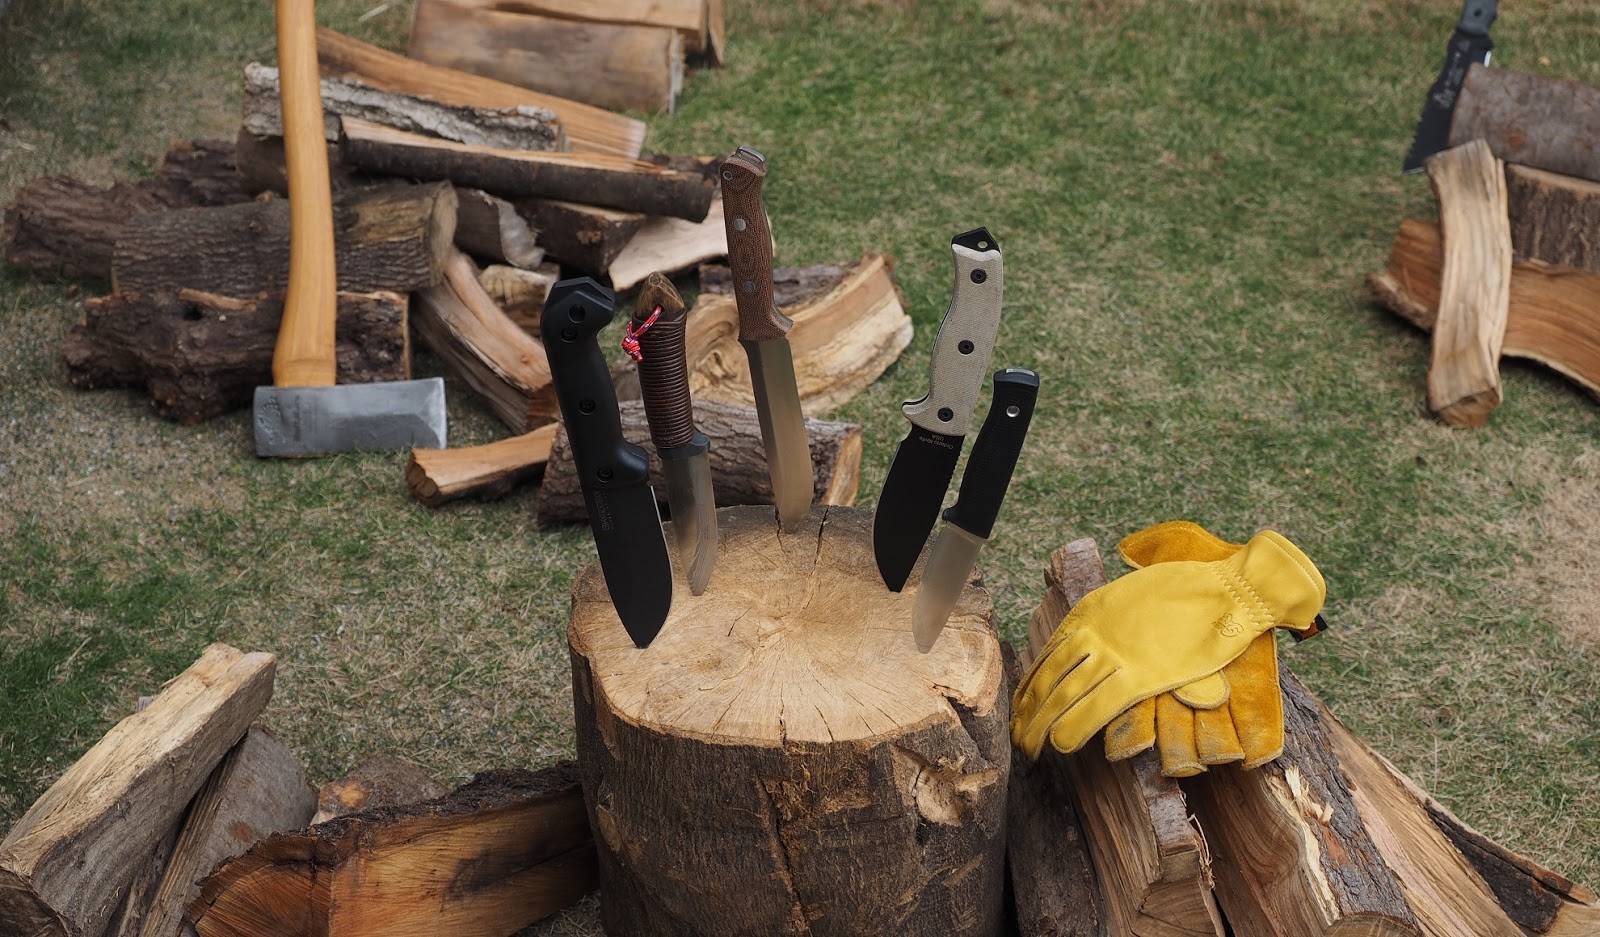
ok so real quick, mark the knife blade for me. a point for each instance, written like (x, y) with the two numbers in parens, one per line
(655, 340)
(1470, 43)
(914, 489)
(968, 522)
(764, 333)
(614, 473)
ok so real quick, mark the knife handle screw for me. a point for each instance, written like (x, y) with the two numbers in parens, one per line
(978, 276)
(965, 347)
(586, 406)
(569, 335)
(605, 474)
(946, 414)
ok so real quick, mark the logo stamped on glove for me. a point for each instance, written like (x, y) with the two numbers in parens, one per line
(1227, 626)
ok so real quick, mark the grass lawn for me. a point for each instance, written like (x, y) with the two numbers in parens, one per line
(1188, 194)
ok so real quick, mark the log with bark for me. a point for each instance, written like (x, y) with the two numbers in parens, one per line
(1554, 218)
(1475, 284)
(585, 237)
(624, 66)
(491, 230)
(199, 355)
(475, 340)
(590, 178)
(846, 333)
(738, 461)
(669, 245)
(60, 226)
(389, 237)
(589, 129)
(513, 128)
(1151, 862)
(262, 167)
(520, 293)
(782, 759)
(1546, 123)
(506, 850)
(66, 865)
(380, 780)
(1553, 316)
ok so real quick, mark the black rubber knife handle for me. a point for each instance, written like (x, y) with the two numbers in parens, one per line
(750, 247)
(994, 455)
(574, 313)
(663, 373)
(1476, 16)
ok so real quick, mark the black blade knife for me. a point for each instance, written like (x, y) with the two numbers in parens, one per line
(968, 522)
(1470, 43)
(614, 473)
(915, 487)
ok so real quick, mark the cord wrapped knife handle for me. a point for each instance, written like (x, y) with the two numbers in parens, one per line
(663, 372)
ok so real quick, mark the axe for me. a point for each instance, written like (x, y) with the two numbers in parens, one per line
(305, 413)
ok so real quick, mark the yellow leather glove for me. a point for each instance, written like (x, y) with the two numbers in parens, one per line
(1247, 726)
(1157, 629)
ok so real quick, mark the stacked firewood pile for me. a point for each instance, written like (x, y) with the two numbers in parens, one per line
(459, 200)
(1513, 267)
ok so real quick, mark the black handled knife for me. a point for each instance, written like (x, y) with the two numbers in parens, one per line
(655, 339)
(968, 522)
(915, 487)
(614, 473)
(1470, 43)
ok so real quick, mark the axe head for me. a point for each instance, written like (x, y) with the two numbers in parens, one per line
(304, 421)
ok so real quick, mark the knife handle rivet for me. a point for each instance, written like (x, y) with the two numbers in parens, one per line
(965, 347)
(727, 174)
(946, 414)
(1012, 410)
(978, 276)
(749, 286)
(586, 406)
(605, 474)
(569, 335)
(578, 314)
(738, 224)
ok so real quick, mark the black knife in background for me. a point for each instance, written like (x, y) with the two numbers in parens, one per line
(614, 473)
(1470, 43)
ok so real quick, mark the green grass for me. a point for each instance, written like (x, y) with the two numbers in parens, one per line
(1189, 196)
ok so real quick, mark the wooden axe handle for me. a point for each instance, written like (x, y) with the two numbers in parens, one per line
(305, 354)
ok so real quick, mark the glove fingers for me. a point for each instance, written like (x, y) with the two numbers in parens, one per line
(1208, 692)
(1257, 701)
(1175, 735)
(1174, 540)
(1131, 732)
(1089, 712)
(1214, 737)
(1053, 686)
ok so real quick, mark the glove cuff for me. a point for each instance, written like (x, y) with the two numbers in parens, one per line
(1173, 540)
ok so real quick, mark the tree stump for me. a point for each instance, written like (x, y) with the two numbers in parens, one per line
(782, 759)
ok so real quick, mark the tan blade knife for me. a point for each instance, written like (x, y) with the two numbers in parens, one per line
(655, 340)
(764, 333)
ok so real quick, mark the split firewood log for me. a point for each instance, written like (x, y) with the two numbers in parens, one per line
(380, 780)
(1151, 861)
(1553, 316)
(1555, 219)
(66, 865)
(520, 293)
(60, 226)
(490, 858)
(589, 129)
(439, 476)
(1475, 284)
(1546, 123)
(477, 343)
(699, 22)
(513, 128)
(669, 245)
(199, 355)
(491, 230)
(590, 178)
(587, 238)
(738, 461)
(623, 66)
(388, 237)
(782, 759)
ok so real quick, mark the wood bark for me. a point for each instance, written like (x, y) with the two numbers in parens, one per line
(58, 226)
(1553, 316)
(380, 780)
(1475, 286)
(493, 470)
(502, 364)
(1291, 852)
(1152, 865)
(66, 864)
(825, 777)
(1546, 123)
(585, 237)
(520, 293)
(590, 178)
(514, 128)
(490, 229)
(589, 129)
(391, 237)
(1554, 218)
(620, 66)
(262, 168)
(258, 789)
(506, 850)
(843, 339)
(669, 245)
(199, 355)
(738, 461)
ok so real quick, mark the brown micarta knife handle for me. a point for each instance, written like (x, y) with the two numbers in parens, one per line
(750, 247)
(663, 373)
